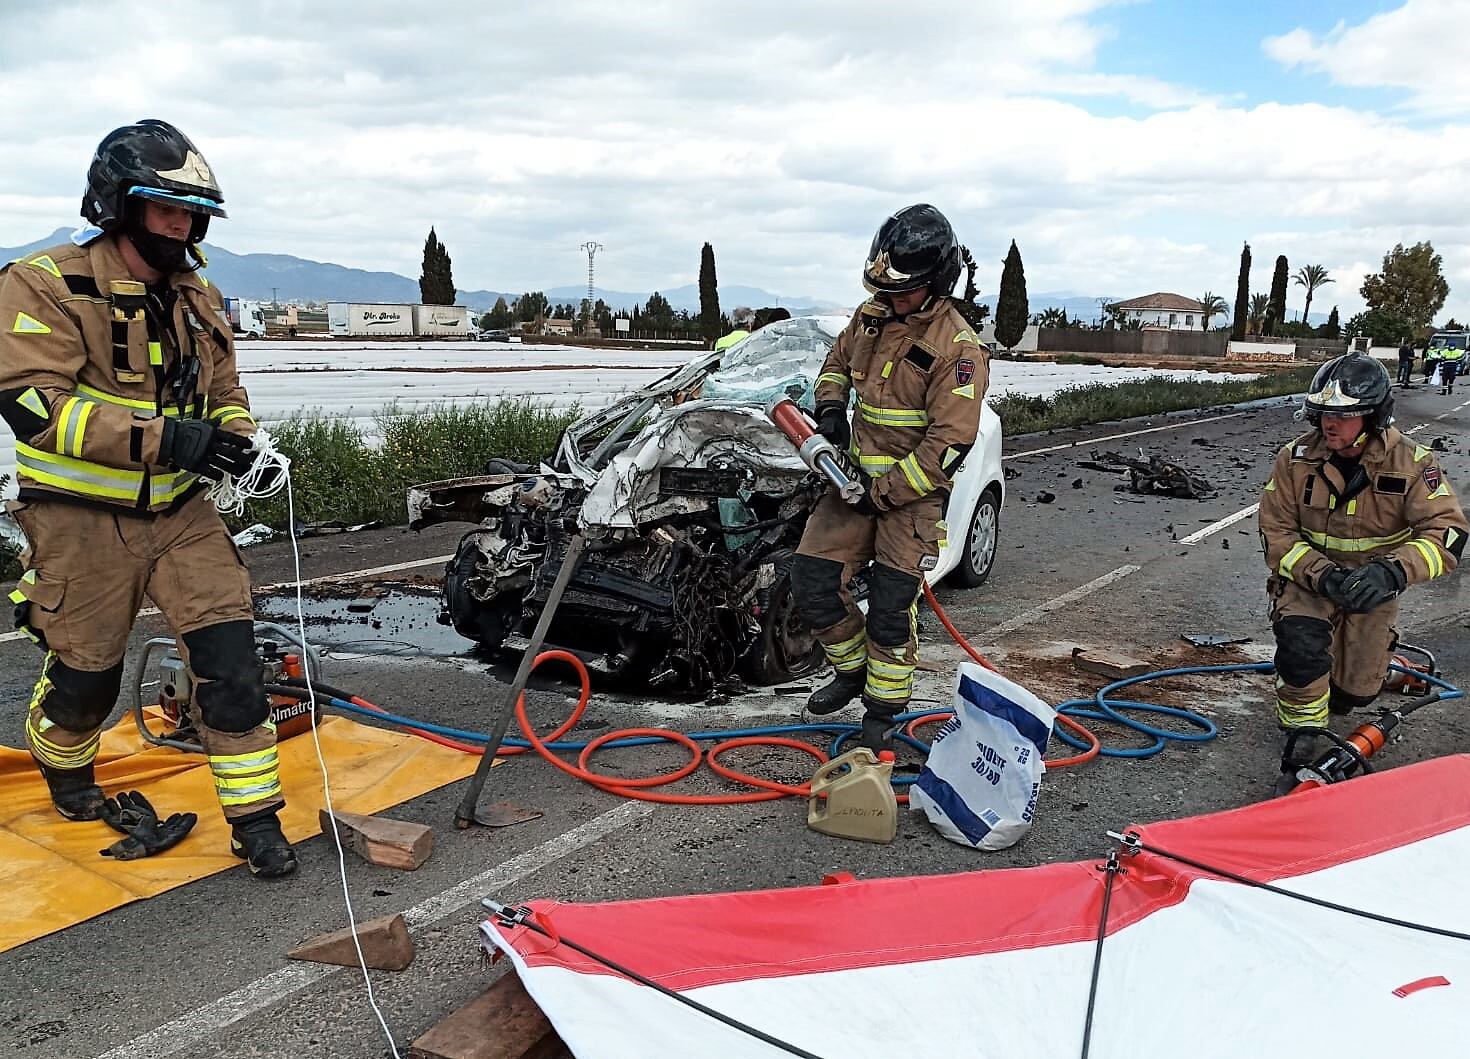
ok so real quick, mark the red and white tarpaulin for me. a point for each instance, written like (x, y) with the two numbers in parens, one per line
(997, 963)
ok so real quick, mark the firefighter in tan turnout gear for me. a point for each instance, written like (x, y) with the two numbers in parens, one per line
(118, 378)
(919, 373)
(1354, 512)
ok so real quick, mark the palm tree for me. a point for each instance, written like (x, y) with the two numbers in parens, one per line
(1311, 277)
(1210, 305)
(1052, 317)
(1256, 317)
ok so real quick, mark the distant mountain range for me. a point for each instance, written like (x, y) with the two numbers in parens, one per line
(288, 278)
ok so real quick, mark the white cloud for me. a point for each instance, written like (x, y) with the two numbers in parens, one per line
(782, 133)
(1417, 47)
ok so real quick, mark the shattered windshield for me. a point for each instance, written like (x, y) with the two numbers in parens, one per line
(781, 359)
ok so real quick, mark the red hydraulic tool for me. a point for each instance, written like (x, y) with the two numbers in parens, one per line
(1349, 756)
(815, 451)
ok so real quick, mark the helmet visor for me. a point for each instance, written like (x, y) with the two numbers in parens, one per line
(192, 203)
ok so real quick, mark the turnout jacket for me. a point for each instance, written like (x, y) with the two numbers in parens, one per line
(1397, 505)
(91, 363)
(920, 383)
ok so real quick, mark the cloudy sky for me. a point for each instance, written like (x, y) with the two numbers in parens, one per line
(1126, 146)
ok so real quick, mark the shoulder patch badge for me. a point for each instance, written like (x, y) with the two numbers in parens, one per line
(1431, 476)
(964, 371)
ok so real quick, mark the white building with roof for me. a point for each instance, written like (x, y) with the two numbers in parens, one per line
(1162, 309)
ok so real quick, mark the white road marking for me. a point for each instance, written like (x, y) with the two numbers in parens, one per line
(188, 1030)
(1216, 527)
(1041, 610)
(148, 612)
(1115, 437)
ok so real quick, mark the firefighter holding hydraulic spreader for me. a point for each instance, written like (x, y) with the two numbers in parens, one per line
(919, 373)
(118, 378)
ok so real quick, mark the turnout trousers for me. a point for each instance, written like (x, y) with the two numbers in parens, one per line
(88, 571)
(1327, 660)
(900, 544)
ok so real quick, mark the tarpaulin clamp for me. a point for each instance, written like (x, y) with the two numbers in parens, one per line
(522, 916)
(1130, 843)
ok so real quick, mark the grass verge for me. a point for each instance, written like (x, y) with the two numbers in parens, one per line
(1078, 406)
(339, 474)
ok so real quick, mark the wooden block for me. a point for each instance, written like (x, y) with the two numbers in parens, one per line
(1111, 664)
(385, 943)
(501, 1023)
(378, 840)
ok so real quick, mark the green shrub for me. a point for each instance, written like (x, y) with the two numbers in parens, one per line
(339, 475)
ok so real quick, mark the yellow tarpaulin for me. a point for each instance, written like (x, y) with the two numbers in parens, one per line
(50, 871)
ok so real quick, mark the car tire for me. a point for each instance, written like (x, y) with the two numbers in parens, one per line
(982, 541)
(785, 650)
(488, 624)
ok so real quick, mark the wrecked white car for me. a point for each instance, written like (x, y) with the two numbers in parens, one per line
(694, 504)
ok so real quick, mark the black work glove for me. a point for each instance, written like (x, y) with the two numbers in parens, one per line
(198, 445)
(131, 814)
(1330, 585)
(1373, 584)
(833, 425)
(867, 504)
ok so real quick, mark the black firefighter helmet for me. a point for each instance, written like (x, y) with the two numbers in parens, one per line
(1351, 385)
(153, 160)
(914, 248)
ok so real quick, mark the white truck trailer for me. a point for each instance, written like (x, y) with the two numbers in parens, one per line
(369, 319)
(444, 321)
(247, 318)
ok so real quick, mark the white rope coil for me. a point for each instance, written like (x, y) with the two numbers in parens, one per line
(267, 477)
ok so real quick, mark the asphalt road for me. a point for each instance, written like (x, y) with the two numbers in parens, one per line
(200, 971)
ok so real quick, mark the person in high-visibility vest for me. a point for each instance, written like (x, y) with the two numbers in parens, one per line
(1450, 360)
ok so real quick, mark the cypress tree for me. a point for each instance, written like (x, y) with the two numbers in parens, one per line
(436, 281)
(709, 296)
(1242, 295)
(1011, 310)
(1276, 305)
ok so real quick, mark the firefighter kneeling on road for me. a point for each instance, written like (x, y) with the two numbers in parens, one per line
(920, 373)
(1353, 514)
(118, 378)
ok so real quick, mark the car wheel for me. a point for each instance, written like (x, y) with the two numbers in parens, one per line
(488, 624)
(982, 539)
(785, 650)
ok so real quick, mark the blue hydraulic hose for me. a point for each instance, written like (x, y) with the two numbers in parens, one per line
(1101, 707)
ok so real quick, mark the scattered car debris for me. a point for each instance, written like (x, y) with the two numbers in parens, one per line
(1152, 476)
(1206, 639)
(256, 534)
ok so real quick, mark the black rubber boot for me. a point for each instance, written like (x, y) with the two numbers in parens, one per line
(74, 792)
(1303, 752)
(878, 726)
(258, 840)
(837, 693)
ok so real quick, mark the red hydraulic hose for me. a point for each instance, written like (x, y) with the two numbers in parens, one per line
(1076, 759)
